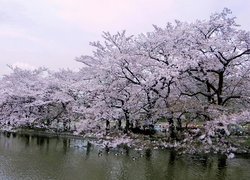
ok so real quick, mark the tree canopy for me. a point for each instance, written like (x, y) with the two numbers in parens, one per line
(178, 73)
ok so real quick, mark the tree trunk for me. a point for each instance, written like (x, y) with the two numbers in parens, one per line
(127, 123)
(179, 125)
(220, 88)
(171, 126)
(107, 124)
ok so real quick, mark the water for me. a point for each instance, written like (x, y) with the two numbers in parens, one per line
(35, 157)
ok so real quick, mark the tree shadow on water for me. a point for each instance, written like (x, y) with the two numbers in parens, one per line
(222, 167)
(170, 172)
(66, 145)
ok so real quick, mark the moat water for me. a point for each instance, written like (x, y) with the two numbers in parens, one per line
(39, 157)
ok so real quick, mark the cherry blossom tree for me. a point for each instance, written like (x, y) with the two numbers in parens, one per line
(183, 71)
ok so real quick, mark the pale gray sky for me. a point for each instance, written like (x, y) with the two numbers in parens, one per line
(52, 33)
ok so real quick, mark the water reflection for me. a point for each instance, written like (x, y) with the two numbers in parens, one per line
(8, 134)
(26, 139)
(88, 148)
(41, 157)
(40, 140)
(13, 135)
(148, 153)
(126, 150)
(169, 174)
(172, 158)
(66, 145)
(222, 167)
(106, 149)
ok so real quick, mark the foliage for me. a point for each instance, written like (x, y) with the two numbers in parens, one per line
(184, 71)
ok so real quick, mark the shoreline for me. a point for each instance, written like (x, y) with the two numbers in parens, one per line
(140, 142)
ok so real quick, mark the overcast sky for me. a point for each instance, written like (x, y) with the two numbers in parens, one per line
(51, 33)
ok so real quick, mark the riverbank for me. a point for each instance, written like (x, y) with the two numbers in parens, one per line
(230, 146)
